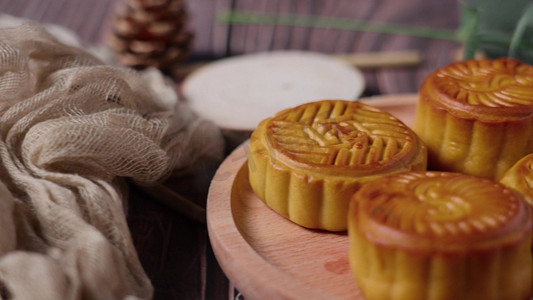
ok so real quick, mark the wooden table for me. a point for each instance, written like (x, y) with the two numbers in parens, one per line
(174, 250)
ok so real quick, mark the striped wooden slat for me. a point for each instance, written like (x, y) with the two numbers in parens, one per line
(91, 19)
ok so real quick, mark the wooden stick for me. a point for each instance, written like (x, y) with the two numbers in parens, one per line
(382, 59)
(182, 71)
(175, 201)
(360, 60)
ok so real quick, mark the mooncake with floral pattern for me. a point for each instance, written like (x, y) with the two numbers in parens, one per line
(306, 162)
(476, 116)
(438, 235)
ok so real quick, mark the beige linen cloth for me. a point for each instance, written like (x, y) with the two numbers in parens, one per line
(70, 129)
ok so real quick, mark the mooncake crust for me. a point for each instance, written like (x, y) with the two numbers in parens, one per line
(488, 90)
(440, 211)
(476, 116)
(520, 177)
(341, 138)
(437, 235)
(306, 162)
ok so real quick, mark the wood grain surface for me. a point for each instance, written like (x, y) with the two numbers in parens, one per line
(267, 256)
(234, 39)
(213, 39)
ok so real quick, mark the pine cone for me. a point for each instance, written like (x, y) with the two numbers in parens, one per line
(151, 33)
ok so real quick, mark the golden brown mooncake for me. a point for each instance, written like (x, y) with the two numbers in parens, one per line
(520, 177)
(476, 116)
(306, 162)
(439, 235)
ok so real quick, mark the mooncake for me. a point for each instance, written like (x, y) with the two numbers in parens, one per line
(520, 177)
(476, 116)
(306, 162)
(440, 235)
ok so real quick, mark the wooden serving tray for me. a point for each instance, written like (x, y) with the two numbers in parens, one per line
(267, 256)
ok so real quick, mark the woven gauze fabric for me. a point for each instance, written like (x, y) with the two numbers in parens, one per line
(70, 129)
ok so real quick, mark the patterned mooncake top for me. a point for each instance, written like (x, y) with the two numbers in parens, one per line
(481, 84)
(340, 135)
(436, 206)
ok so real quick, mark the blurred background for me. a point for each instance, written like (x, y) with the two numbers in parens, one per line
(93, 22)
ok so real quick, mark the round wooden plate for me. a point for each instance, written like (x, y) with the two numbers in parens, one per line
(267, 256)
(236, 93)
